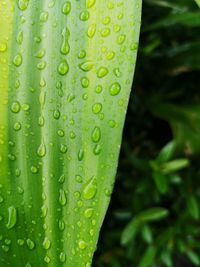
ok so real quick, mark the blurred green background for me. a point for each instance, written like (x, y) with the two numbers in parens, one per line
(154, 216)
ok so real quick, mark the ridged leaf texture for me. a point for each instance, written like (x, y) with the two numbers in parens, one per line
(66, 70)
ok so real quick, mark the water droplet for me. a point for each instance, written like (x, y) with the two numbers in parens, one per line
(121, 39)
(98, 89)
(61, 133)
(62, 257)
(63, 148)
(17, 60)
(12, 217)
(80, 154)
(41, 65)
(66, 8)
(34, 169)
(105, 32)
(96, 135)
(90, 189)
(61, 180)
(44, 16)
(3, 47)
(79, 179)
(97, 149)
(62, 197)
(114, 89)
(85, 82)
(56, 114)
(47, 259)
(88, 212)
(102, 72)
(91, 30)
(30, 244)
(15, 108)
(20, 242)
(90, 3)
(23, 4)
(82, 244)
(63, 67)
(86, 66)
(41, 150)
(97, 107)
(65, 48)
(17, 126)
(46, 243)
(82, 54)
(84, 15)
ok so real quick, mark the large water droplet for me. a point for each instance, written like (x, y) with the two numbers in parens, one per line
(12, 217)
(90, 189)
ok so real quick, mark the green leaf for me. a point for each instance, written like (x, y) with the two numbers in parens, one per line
(190, 19)
(198, 2)
(153, 214)
(150, 215)
(147, 234)
(130, 232)
(161, 181)
(193, 207)
(66, 71)
(148, 257)
(174, 165)
(167, 152)
(185, 123)
(194, 257)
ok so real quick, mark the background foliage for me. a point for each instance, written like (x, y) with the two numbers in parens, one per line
(154, 217)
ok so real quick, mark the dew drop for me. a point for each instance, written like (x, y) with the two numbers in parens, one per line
(41, 150)
(96, 135)
(62, 257)
(91, 30)
(114, 89)
(90, 3)
(17, 60)
(12, 217)
(46, 243)
(65, 48)
(90, 189)
(15, 108)
(63, 68)
(30, 244)
(23, 4)
(82, 244)
(66, 8)
(102, 72)
(62, 197)
(97, 107)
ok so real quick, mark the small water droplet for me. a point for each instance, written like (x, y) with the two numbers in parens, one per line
(17, 60)
(102, 72)
(82, 244)
(62, 197)
(114, 89)
(96, 135)
(41, 150)
(30, 244)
